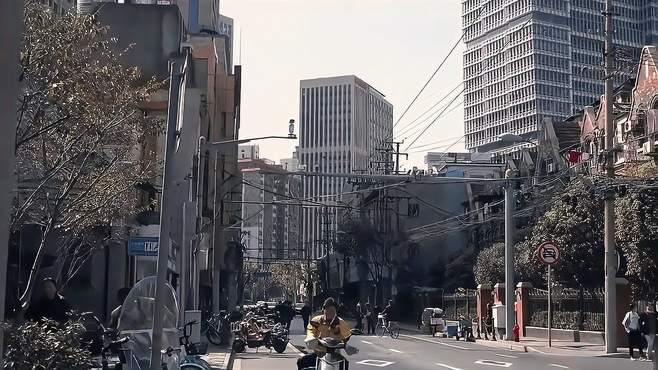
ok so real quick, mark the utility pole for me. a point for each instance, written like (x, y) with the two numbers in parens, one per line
(398, 154)
(176, 80)
(11, 29)
(609, 205)
(509, 254)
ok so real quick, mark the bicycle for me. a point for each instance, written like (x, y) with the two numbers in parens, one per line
(216, 328)
(111, 346)
(193, 351)
(389, 327)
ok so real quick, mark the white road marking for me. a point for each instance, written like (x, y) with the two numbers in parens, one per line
(366, 342)
(493, 363)
(448, 366)
(295, 349)
(560, 366)
(394, 350)
(377, 363)
(536, 350)
(508, 356)
(451, 345)
(434, 341)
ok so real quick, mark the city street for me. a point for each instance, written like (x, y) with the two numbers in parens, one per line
(417, 351)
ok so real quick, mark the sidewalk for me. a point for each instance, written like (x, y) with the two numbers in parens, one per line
(540, 345)
(559, 347)
(218, 357)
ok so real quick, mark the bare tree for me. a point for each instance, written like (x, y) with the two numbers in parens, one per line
(291, 275)
(80, 131)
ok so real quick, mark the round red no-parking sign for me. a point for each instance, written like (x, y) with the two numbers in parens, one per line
(548, 253)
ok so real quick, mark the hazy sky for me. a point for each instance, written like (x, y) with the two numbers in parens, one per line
(394, 45)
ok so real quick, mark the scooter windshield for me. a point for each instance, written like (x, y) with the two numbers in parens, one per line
(136, 321)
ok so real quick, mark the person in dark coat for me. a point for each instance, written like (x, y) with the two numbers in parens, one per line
(305, 312)
(122, 294)
(370, 319)
(51, 305)
(648, 328)
(288, 314)
(359, 316)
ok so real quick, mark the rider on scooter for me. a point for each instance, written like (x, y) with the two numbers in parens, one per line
(327, 325)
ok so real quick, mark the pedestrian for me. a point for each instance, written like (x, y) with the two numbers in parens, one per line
(306, 313)
(280, 309)
(359, 316)
(648, 328)
(370, 319)
(236, 315)
(122, 294)
(289, 314)
(51, 305)
(631, 324)
(342, 310)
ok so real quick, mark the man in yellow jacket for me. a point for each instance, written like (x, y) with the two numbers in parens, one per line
(327, 325)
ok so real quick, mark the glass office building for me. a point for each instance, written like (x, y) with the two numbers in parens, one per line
(528, 60)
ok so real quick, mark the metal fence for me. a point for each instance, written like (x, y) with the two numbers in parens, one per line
(458, 304)
(574, 309)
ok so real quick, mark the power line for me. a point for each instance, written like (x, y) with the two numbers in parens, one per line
(405, 127)
(432, 76)
(462, 91)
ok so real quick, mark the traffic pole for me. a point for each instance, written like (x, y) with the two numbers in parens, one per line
(550, 308)
(509, 256)
(609, 202)
(11, 29)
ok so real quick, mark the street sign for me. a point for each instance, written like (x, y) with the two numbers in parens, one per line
(549, 253)
(143, 246)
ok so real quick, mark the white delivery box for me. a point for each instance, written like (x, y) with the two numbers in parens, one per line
(498, 312)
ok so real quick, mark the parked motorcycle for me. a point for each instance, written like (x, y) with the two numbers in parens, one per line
(255, 332)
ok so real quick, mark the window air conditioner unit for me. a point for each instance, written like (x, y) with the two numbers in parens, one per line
(648, 146)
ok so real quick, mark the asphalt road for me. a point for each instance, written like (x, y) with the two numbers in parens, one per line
(421, 352)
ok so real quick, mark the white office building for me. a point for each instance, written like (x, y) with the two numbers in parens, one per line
(344, 122)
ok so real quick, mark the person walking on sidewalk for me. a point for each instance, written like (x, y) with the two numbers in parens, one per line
(648, 328)
(305, 312)
(631, 324)
(370, 319)
(359, 316)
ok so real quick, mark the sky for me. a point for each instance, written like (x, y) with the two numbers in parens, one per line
(394, 45)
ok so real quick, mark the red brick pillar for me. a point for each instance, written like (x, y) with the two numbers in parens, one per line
(499, 294)
(623, 304)
(484, 297)
(522, 305)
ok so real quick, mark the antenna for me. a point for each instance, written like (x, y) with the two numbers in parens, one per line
(240, 53)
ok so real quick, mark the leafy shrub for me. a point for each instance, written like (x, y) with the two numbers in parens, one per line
(47, 345)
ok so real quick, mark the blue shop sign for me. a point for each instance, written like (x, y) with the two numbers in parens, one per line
(143, 246)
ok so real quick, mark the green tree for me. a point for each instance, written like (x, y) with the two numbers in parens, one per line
(80, 129)
(489, 266)
(636, 220)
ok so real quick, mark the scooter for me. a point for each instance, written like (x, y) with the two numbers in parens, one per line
(252, 335)
(464, 330)
(333, 359)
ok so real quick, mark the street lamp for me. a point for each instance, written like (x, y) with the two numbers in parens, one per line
(218, 144)
(510, 287)
(165, 212)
